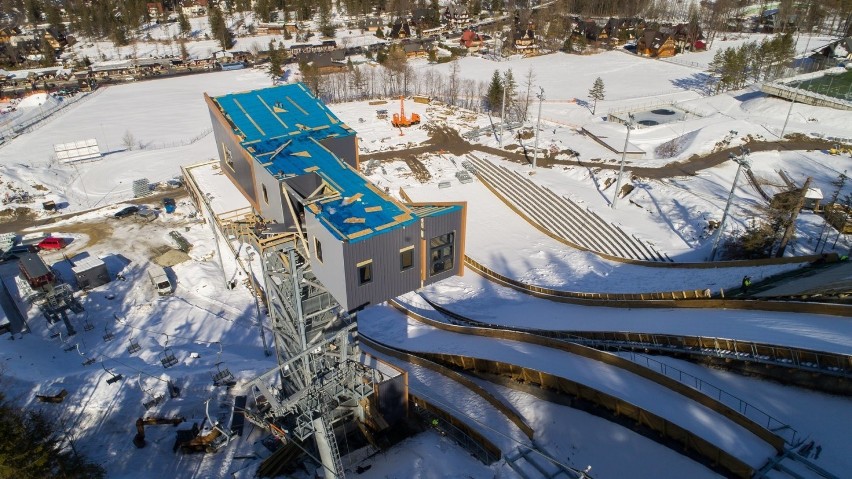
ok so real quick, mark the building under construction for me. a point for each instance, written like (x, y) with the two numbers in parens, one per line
(330, 243)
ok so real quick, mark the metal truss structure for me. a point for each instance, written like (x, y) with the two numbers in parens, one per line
(319, 383)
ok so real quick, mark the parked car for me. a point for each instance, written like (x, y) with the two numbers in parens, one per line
(147, 214)
(51, 243)
(126, 211)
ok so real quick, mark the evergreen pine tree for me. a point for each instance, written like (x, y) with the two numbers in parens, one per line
(596, 93)
(184, 24)
(494, 96)
(274, 60)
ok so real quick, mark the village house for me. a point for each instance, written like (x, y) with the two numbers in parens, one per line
(417, 48)
(325, 62)
(277, 28)
(401, 29)
(371, 24)
(525, 40)
(470, 40)
(194, 8)
(655, 44)
(155, 10)
(456, 16)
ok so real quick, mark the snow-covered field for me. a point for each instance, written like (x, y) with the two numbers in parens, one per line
(169, 125)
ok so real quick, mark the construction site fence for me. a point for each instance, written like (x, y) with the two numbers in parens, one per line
(757, 422)
(619, 407)
(482, 448)
(45, 115)
(453, 375)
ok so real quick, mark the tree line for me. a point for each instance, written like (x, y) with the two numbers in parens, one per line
(735, 67)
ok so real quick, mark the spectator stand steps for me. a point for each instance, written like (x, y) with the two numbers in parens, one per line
(561, 217)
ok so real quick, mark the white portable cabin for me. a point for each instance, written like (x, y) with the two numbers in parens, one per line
(90, 272)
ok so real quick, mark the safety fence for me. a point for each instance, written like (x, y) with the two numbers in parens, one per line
(32, 124)
(756, 421)
(689, 441)
(453, 375)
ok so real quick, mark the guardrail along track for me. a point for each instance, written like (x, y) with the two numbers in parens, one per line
(811, 369)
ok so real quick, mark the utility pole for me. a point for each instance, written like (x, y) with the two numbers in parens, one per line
(538, 125)
(629, 125)
(839, 182)
(741, 161)
(503, 116)
(790, 110)
(791, 226)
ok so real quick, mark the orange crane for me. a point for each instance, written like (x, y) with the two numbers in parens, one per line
(399, 119)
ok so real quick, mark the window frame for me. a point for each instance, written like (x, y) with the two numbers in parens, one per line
(437, 253)
(228, 156)
(318, 249)
(366, 265)
(409, 251)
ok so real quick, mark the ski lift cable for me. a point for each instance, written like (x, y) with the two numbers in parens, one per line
(168, 336)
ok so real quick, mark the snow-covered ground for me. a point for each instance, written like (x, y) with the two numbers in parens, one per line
(169, 124)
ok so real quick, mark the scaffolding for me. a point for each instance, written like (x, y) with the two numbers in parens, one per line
(318, 380)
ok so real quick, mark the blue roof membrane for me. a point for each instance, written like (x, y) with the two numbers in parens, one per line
(281, 127)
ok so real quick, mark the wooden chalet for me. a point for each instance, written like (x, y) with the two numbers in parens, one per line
(155, 10)
(371, 24)
(456, 16)
(401, 29)
(8, 33)
(417, 49)
(194, 8)
(470, 40)
(277, 28)
(325, 62)
(35, 271)
(655, 44)
(525, 41)
(687, 37)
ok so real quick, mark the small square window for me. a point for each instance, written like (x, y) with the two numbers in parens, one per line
(318, 249)
(365, 272)
(406, 258)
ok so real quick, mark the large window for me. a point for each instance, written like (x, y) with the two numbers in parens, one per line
(365, 272)
(318, 248)
(406, 258)
(441, 250)
(229, 159)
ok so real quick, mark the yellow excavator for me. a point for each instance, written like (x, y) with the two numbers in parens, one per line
(139, 438)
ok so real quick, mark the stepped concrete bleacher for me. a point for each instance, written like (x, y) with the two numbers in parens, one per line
(562, 217)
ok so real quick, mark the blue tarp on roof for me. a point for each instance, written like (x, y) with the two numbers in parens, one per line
(282, 127)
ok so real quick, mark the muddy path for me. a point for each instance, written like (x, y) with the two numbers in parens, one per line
(445, 140)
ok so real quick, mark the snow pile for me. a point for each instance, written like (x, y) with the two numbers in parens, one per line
(39, 100)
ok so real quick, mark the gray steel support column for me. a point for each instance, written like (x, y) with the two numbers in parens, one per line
(321, 436)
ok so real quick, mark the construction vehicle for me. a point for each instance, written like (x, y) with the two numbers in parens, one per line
(139, 438)
(210, 437)
(53, 398)
(400, 120)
